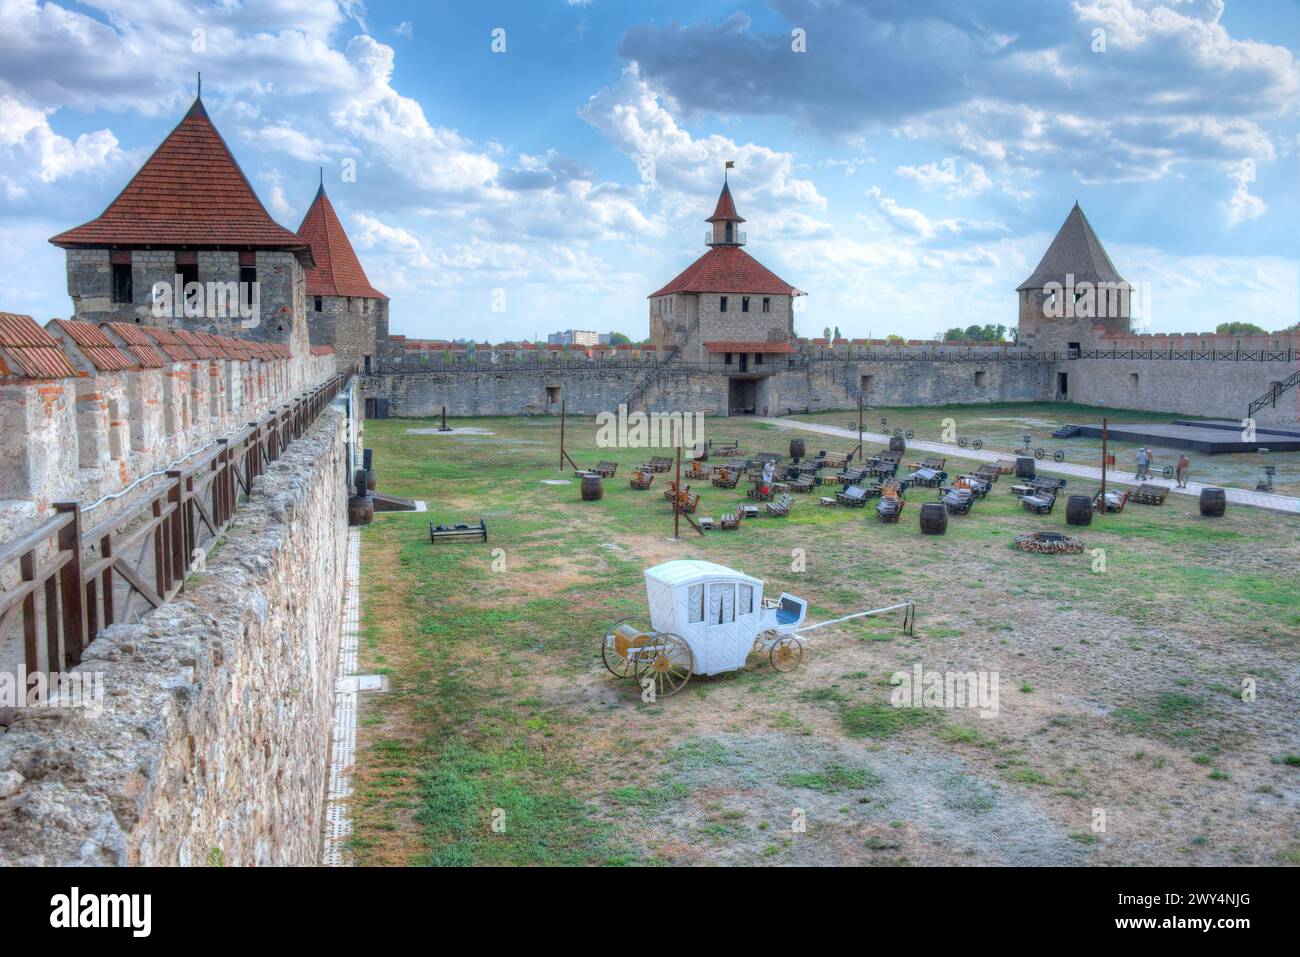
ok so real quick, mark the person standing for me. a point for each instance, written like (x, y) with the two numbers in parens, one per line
(769, 472)
(1142, 461)
(1184, 466)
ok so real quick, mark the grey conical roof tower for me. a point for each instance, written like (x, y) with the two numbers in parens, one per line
(1075, 251)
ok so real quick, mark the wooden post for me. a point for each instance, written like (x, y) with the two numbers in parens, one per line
(677, 496)
(1105, 423)
(72, 593)
(862, 455)
(563, 403)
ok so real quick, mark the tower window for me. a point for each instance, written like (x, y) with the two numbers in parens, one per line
(744, 304)
(123, 288)
(767, 304)
(726, 359)
(189, 272)
(247, 280)
(722, 304)
(318, 303)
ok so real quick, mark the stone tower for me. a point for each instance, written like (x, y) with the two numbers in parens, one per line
(726, 303)
(1075, 295)
(343, 309)
(190, 212)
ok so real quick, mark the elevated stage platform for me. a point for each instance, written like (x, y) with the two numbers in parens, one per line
(1213, 437)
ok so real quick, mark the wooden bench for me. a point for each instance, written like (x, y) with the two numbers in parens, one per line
(642, 479)
(1148, 494)
(660, 463)
(781, 507)
(1041, 504)
(889, 508)
(855, 496)
(1112, 501)
(698, 470)
(730, 521)
(725, 477)
(460, 532)
(605, 469)
(760, 493)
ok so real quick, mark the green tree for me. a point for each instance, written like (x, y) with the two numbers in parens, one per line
(1239, 329)
(895, 339)
(826, 333)
(837, 333)
(954, 334)
(619, 339)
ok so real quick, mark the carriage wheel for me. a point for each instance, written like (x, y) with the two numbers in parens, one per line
(668, 664)
(963, 441)
(910, 434)
(1058, 456)
(618, 665)
(1167, 471)
(1040, 453)
(786, 654)
(898, 433)
(978, 444)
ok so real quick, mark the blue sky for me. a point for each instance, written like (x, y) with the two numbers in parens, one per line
(906, 169)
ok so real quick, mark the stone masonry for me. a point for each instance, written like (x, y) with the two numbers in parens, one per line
(212, 742)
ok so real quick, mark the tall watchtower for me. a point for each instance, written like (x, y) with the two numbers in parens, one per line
(1075, 295)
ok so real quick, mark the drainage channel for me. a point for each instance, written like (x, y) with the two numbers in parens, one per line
(348, 686)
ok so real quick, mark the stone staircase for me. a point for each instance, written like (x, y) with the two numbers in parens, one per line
(1272, 395)
(656, 375)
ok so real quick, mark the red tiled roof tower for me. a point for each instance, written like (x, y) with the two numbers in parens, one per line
(337, 271)
(189, 193)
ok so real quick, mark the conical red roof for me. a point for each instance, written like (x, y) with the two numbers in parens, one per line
(727, 269)
(190, 192)
(337, 271)
(726, 209)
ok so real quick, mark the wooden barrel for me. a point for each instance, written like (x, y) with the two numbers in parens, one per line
(1078, 510)
(1213, 501)
(361, 509)
(1025, 467)
(897, 443)
(593, 487)
(798, 449)
(934, 518)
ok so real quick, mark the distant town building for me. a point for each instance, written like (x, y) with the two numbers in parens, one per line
(576, 337)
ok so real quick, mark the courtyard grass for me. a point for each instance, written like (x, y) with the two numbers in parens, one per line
(503, 739)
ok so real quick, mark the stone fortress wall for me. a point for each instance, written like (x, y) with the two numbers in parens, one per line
(212, 742)
(1193, 374)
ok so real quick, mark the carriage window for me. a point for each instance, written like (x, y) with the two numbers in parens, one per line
(695, 601)
(746, 600)
(722, 604)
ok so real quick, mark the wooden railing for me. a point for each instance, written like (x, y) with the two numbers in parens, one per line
(76, 581)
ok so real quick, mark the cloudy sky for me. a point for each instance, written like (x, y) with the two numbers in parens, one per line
(906, 162)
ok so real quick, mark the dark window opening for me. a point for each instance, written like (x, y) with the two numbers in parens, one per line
(767, 304)
(758, 358)
(726, 359)
(367, 358)
(981, 379)
(319, 304)
(123, 287)
(247, 277)
(552, 394)
(1073, 348)
(744, 304)
(722, 304)
(189, 272)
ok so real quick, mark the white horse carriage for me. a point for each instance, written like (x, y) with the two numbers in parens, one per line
(704, 619)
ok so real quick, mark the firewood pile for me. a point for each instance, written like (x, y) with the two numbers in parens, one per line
(1048, 543)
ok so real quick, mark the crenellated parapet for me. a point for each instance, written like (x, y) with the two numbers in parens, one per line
(88, 411)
